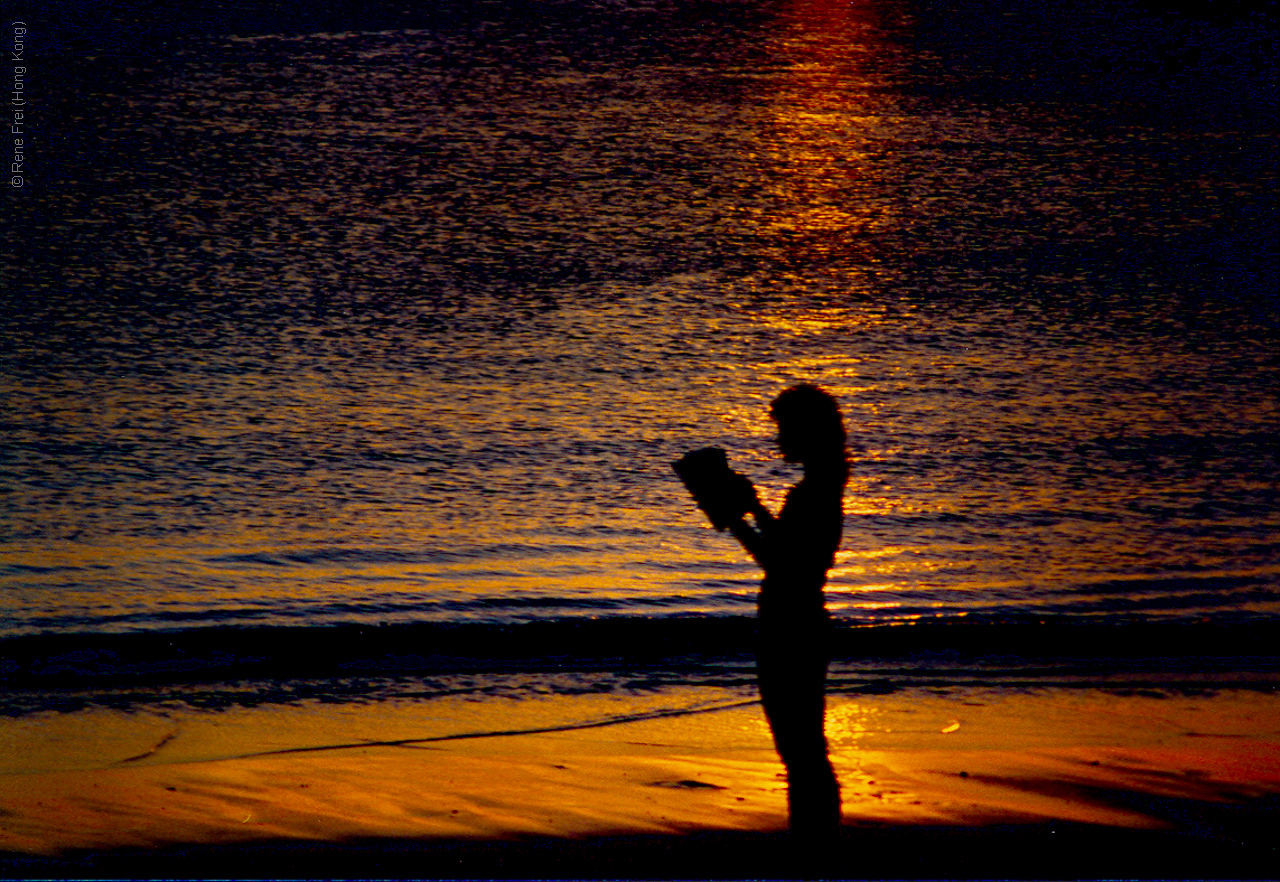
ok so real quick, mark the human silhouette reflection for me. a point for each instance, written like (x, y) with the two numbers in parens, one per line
(795, 549)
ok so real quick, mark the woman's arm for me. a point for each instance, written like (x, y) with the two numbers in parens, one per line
(757, 540)
(750, 538)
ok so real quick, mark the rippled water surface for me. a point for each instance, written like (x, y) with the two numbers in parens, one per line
(318, 323)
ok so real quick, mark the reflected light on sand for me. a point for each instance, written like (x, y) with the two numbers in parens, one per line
(853, 721)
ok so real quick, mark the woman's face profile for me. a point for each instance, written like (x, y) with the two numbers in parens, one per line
(789, 444)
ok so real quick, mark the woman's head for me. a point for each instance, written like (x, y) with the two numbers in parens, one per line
(810, 428)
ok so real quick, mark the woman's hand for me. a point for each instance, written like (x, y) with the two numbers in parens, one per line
(742, 494)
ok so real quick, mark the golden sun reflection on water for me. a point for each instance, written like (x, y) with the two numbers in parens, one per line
(823, 122)
(370, 462)
(822, 190)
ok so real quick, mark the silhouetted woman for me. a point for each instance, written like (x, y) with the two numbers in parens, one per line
(796, 549)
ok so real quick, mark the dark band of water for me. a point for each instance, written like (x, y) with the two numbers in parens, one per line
(343, 662)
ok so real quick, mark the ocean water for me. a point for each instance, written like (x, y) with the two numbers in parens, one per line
(359, 342)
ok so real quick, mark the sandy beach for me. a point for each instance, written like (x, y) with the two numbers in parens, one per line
(679, 784)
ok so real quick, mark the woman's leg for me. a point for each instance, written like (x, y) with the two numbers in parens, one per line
(792, 689)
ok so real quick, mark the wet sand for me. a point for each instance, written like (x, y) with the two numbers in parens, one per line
(681, 784)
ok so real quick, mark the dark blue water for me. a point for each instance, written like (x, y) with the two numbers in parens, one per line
(322, 320)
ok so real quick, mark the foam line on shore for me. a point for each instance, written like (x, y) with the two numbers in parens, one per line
(463, 736)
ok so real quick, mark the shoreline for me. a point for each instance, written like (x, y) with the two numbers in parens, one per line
(1047, 783)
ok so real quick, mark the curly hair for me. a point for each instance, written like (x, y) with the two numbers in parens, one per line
(815, 417)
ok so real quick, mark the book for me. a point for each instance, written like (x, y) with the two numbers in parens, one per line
(715, 487)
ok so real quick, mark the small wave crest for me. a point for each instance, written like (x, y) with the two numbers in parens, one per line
(630, 652)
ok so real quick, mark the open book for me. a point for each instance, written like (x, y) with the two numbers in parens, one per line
(716, 488)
